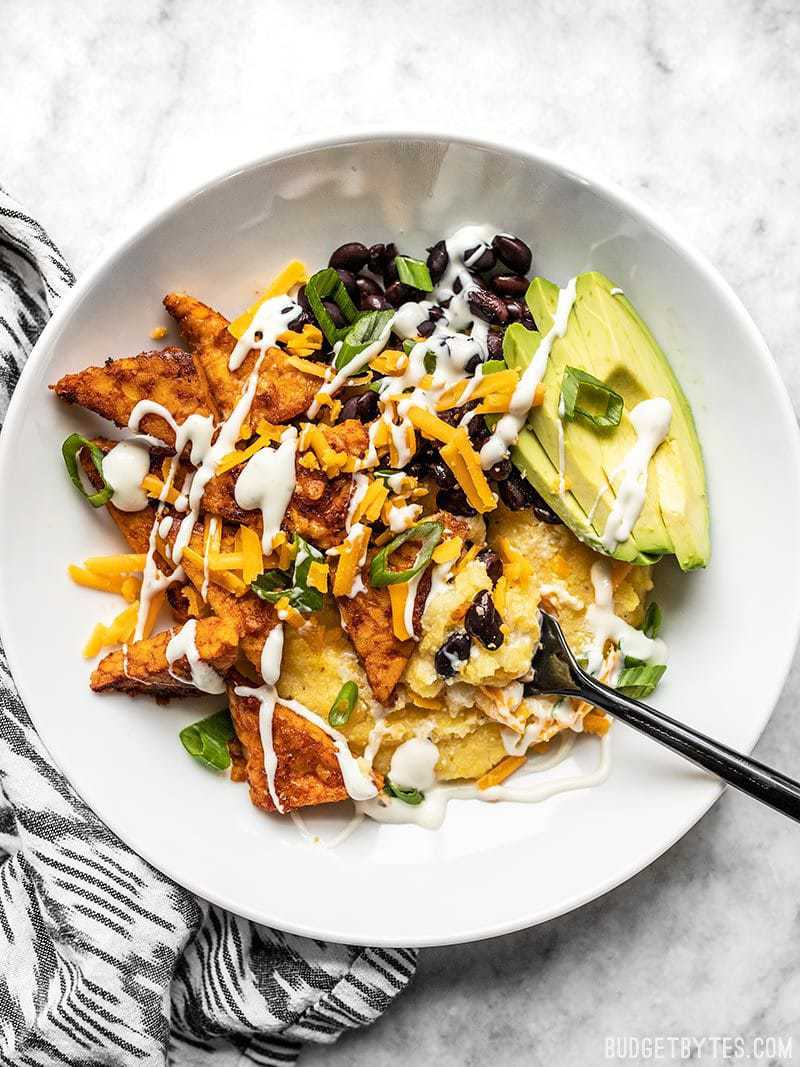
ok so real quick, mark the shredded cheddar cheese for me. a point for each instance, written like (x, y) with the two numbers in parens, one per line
(447, 550)
(398, 595)
(516, 568)
(350, 553)
(504, 769)
(154, 487)
(318, 576)
(248, 543)
(293, 273)
(370, 505)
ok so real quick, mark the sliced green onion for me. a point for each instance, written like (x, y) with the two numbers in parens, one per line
(639, 682)
(364, 332)
(493, 366)
(343, 705)
(429, 533)
(586, 397)
(274, 585)
(413, 272)
(327, 285)
(408, 796)
(207, 740)
(429, 361)
(408, 345)
(651, 627)
(71, 450)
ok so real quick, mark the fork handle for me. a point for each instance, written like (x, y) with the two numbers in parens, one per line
(751, 777)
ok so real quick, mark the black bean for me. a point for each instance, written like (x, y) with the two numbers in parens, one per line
(454, 501)
(493, 564)
(487, 306)
(453, 416)
(377, 258)
(350, 256)
(389, 265)
(442, 474)
(454, 650)
(363, 407)
(483, 621)
(510, 284)
(500, 471)
(349, 282)
(435, 314)
(438, 258)
(485, 261)
(515, 492)
(335, 313)
(514, 308)
(543, 512)
(302, 319)
(368, 286)
(494, 344)
(302, 300)
(513, 252)
(426, 328)
(527, 318)
(373, 302)
(397, 294)
(478, 432)
(473, 363)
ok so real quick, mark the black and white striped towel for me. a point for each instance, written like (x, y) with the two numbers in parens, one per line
(102, 959)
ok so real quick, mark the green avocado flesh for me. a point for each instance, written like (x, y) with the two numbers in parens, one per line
(606, 338)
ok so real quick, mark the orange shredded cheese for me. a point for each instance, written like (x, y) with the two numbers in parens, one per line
(318, 576)
(286, 613)
(448, 550)
(500, 592)
(370, 505)
(516, 568)
(463, 461)
(596, 723)
(224, 579)
(390, 361)
(105, 583)
(318, 370)
(350, 553)
(503, 383)
(154, 487)
(158, 333)
(431, 425)
(331, 461)
(293, 273)
(398, 595)
(123, 563)
(466, 559)
(503, 770)
(248, 543)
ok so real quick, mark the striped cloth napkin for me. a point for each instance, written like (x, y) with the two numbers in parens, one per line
(102, 959)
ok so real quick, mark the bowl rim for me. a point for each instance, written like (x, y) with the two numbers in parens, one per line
(557, 162)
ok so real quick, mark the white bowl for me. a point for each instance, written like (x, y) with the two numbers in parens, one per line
(491, 869)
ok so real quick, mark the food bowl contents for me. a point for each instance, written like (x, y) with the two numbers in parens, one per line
(351, 501)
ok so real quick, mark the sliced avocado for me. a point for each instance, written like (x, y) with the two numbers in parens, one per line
(607, 338)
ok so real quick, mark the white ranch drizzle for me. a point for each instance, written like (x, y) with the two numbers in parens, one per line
(202, 676)
(401, 518)
(212, 533)
(153, 581)
(270, 320)
(431, 812)
(267, 483)
(412, 765)
(359, 491)
(509, 426)
(606, 626)
(124, 468)
(651, 419)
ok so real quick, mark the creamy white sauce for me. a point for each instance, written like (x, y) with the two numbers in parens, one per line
(606, 626)
(509, 426)
(354, 533)
(267, 483)
(616, 291)
(413, 763)
(412, 585)
(183, 645)
(271, 319)
(209, 540)
(402, 518)
(651, 419)
(357, 363)
(153, 581)
(431, 812)
(559, 596)
(357, 494)
(124, 468)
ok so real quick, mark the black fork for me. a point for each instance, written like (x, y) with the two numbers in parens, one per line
(557, 673)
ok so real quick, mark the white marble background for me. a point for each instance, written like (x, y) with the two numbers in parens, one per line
(109, 109)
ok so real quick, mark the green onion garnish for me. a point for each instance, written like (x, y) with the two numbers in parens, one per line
(408, 796)
(364, 332)
(207, 740)
(429, 533)
(342, 707)
(327, 285)
(70, 450)
(651, 627)
(274, 585)
(586, 397)
(408, 345)
(640, 682)
(493, 366)
(429, 361)
(413, 272)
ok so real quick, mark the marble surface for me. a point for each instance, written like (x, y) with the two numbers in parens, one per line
(110, 110)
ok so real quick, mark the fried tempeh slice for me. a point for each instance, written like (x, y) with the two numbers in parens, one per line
(283, 392)
(170, 377)
(367, 620)
(308, 770)
(143, 667)
(317, 510)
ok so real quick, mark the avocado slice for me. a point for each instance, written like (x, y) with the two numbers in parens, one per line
(606, 337)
